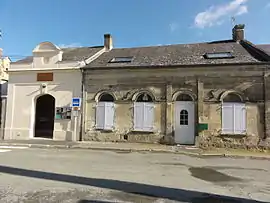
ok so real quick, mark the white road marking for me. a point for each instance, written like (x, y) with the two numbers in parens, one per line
(4, 150)
(13, 147)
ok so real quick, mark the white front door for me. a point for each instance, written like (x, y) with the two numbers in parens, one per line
(184, 126)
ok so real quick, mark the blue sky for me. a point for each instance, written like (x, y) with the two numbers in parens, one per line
(25, 23)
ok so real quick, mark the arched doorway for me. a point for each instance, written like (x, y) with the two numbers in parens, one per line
(44, 116)
(184, 126)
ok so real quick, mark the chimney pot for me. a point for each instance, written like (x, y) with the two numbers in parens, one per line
(238, 32)
(108, 42)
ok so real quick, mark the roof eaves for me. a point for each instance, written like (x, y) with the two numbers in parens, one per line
(89, 67)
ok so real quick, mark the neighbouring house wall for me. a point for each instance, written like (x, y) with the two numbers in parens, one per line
(205, 84)
(4, 66)
(266, 142)
(23, 88)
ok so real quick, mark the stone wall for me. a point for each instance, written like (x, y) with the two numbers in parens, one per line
(205, 84)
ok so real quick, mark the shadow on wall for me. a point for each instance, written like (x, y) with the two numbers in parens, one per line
(128, 187)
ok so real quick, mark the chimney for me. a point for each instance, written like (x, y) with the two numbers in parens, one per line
(108, 42)
(1, 53)
(238, 32)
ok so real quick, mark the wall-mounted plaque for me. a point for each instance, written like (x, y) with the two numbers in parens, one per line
(43, 77)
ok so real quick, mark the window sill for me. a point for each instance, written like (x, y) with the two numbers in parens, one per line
(104, 130)
(233, 135)
(143, 131)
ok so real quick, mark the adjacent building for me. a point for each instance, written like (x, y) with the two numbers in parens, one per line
(4, 67)
(40, 91)
(209, 94)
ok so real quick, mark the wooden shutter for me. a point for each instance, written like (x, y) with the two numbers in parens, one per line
(138, 116)
(148, 117)
(109, 115)
(227, 118)
(100, 115)
(239, 118)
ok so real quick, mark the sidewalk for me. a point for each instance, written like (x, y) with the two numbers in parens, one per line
(135, 147)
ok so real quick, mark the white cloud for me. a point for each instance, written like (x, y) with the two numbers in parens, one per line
(216, 14)
(173, 26)
(69, 45)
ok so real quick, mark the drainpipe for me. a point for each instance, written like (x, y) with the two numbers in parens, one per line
(5, 113)
(82, 107)
(264, 105)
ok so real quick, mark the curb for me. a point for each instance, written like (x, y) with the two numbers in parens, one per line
(129, 150)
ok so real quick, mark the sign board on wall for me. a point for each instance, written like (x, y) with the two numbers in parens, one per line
(43, 77)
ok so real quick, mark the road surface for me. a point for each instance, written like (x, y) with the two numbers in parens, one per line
(86, 176)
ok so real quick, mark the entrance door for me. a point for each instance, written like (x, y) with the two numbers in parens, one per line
(44, 117)
(184, 122)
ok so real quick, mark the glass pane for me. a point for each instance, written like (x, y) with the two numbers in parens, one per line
(144, 97)
(184, 117)
(218, 55)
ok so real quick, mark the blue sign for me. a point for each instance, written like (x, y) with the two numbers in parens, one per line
(76, 102)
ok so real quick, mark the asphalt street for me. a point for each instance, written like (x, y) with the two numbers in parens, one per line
(86, 176)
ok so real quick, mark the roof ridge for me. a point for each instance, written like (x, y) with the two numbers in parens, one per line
(82, 47)
(168, 45)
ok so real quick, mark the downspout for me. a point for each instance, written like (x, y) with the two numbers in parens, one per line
(264, 103)
(82, 107)
(5, 112)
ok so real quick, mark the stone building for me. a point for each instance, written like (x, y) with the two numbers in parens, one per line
(209, 94)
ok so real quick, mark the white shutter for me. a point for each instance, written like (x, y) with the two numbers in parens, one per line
(138, 116)
(148, 116)
(227, 118)
(109, 115)
(100, 115)
(239, 118)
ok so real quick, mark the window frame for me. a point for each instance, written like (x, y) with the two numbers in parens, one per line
(144, 105)
(219, 55)
(106, 106)
(234, 130)
(122, 59)
(184, 121)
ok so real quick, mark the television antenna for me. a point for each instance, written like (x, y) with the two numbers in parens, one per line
(233, 21)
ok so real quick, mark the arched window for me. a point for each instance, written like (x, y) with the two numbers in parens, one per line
(232, 97)
(144, 97)
(106, 98)
(144, 113)
(184, 97)
(184, 117)
(233, 114)
(105, 112)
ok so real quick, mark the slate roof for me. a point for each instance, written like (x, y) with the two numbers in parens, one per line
(69, 54)
(180, 54)
(264, 47)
